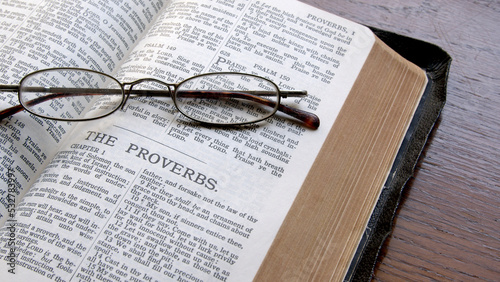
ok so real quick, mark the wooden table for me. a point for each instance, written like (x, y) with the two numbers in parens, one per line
(448, 224)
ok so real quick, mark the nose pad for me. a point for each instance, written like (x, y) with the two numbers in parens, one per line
(146, 87)
(126, 93)
(125, 99)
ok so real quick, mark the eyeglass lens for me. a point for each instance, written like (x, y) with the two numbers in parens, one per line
(70, 94)
(227, 98)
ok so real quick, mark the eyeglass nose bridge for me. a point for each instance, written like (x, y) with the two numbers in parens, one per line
(127, 89)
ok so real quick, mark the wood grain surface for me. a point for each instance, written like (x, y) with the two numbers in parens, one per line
(448, 224)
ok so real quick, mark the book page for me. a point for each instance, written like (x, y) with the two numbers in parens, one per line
(44, 34)
(146, 194)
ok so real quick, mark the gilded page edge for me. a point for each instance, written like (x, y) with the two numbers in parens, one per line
(351, 158)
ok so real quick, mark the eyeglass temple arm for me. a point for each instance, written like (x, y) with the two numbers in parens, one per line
(59, 93)
(310, 119)
(15, 109)
(12, 110)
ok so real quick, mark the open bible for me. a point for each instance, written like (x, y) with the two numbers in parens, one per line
(147, 194)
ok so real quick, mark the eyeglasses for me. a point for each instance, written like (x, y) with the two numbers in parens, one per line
(72, 94)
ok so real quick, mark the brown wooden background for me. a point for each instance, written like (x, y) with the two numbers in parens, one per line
(448, 224)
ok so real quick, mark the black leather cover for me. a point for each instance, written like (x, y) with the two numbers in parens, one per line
(436, 63)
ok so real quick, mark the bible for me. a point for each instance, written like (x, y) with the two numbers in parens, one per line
(146, 193)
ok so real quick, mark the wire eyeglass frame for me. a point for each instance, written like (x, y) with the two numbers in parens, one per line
(176, 91)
